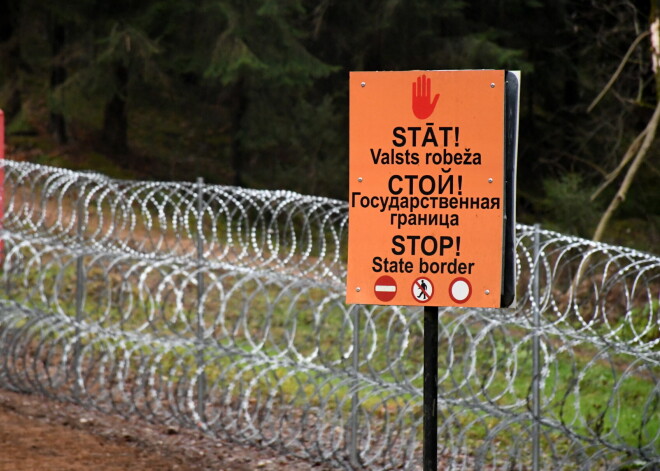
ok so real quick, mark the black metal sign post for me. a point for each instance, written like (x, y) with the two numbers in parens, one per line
(430, 388)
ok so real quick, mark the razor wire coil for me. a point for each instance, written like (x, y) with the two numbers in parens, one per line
(223, 309)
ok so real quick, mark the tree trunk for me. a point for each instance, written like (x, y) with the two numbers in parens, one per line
(9, 32)
(639, 148)
(654, 29)
(649, 136)
(57, 78)
(7, 21)
(115, 123)
(238, 110)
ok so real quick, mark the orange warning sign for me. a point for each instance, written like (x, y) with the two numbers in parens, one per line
(426, 192)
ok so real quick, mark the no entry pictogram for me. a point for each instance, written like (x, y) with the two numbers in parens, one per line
(385, 288)
(422, 289)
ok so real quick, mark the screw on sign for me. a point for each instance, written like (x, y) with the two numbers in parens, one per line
(422, 289)
(385, 288)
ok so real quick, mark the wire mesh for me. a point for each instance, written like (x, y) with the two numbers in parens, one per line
(222, 309)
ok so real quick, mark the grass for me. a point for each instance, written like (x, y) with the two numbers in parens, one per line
(596, 394)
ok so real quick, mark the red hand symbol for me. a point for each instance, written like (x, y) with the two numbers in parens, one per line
(421, 98)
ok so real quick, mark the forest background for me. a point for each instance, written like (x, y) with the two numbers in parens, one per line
(255, 92)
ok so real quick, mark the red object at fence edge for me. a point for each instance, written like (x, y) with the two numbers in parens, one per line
(2, 183)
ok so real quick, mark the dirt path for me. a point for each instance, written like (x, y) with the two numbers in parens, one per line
(44, 435)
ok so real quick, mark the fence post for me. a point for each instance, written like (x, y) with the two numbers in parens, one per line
(536, 399)
(80, 287)
(354, 455)
(201, 385)
(2, 197)
(430, 451)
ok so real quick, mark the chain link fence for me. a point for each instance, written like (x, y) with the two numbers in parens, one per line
(222, 309)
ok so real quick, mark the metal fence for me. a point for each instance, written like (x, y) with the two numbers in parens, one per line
(222, 309)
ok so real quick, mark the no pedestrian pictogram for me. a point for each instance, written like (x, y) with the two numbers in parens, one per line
(422, 289)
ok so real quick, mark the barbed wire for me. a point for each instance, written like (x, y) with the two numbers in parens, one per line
(222, 309)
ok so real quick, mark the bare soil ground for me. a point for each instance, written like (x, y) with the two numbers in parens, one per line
(40, 434)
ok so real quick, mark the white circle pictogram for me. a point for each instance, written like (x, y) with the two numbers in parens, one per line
(460, 290)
